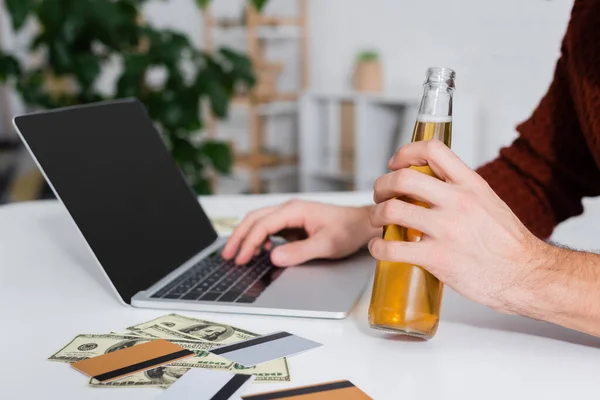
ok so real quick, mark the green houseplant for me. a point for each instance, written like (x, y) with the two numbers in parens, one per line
(74, 41)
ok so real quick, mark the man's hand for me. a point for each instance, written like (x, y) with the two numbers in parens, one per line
(315, 230)
(471, 239)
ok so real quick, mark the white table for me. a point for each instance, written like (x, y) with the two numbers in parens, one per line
(50, 291)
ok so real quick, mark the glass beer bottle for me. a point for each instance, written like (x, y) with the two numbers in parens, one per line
(406, 298)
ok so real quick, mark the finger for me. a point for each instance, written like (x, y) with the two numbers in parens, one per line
(398, 212)
(443, 162)
(295, 253)
(287, 217)
(396, 251)
(292, 235)
(234, 241)
(413, 184)
(268, 245)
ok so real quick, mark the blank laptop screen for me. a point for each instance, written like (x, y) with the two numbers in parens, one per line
(111, 169)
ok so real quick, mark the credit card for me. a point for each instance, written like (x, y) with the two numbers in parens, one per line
(265, 348)
(120, 363)
(206, 384)
(339, 390)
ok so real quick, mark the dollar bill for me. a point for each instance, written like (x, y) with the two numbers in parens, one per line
(192, 334)
(164, 376)
(86, 346)
(276, 370)
(224, 224)
(219, 334)
(160, 377)
(132, 333)
(199, 329)
(162, 332)
(271, 371)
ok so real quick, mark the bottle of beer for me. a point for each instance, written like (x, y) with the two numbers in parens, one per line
(406, 298)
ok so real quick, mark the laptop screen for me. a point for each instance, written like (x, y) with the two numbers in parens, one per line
(112, 171)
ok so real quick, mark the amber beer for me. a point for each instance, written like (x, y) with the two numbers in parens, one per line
(406, 298)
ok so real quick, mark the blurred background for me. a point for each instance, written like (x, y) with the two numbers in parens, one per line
(263, 96)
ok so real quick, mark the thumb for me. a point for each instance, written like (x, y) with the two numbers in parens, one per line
(300, 251)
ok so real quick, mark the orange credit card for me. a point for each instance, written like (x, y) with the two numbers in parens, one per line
(339, 390)
(111, 366)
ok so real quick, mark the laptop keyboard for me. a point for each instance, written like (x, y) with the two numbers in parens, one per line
(215, 279)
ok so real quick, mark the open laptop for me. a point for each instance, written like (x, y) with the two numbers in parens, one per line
(110, 168)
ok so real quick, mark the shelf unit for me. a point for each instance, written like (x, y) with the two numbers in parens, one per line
(346, 138)
(264, 101)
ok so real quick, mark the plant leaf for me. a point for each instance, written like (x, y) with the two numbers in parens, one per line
(219, 99)
(19, 11)
(259, 4)
(240, 65)
(9, 66)
(202, 187)
(87, 69)
(183, 151)
(219, 154)
(203, 3)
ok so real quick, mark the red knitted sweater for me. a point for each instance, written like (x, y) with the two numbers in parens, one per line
(555, 162)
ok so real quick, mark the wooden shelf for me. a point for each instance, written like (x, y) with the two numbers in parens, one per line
(242, 100)
(263, 20)
(345, 177)
(263, 100)
(264, 160)
(262, 33)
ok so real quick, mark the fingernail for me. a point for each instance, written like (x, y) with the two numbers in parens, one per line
(391, 160)
(278, 257)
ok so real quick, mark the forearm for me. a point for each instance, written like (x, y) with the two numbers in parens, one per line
(564, 290)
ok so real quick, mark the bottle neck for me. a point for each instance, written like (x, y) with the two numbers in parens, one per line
(436, 104)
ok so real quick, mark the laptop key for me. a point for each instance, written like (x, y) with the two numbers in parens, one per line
(210, 296)
(172, 296)
(245, 299)
(192, 296)
(230, 296)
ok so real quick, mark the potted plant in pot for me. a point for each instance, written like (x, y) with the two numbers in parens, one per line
(75, 40)
(368, 74)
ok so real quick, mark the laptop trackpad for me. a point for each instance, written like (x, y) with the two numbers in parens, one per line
(320, 285)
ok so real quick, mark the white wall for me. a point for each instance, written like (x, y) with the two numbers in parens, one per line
(504, 51)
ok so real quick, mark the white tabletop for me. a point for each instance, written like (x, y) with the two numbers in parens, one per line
(50, 291)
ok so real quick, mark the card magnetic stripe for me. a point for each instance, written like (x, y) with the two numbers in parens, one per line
(143, 365)
(249, 343)
(301, 391)
(231, 387)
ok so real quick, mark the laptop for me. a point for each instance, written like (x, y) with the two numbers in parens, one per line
(107, 163)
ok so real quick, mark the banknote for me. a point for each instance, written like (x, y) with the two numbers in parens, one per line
(276, 370)
(192, 334)
(224, 224)
(87, 346)
(165, 375)
(202, 359)
(163, 332)
(199, 329)
(219, 334)
(271, 371)
(161, 377)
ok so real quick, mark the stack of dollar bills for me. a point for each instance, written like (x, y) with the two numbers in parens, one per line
(193, 334)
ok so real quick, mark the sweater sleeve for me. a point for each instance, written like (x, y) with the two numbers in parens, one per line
(544, 174)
